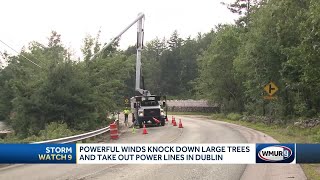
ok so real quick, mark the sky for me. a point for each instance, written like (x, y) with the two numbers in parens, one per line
(33, 20)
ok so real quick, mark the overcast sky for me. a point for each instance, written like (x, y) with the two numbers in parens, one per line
(23, 21)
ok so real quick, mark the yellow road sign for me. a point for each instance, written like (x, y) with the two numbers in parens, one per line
(271, 88)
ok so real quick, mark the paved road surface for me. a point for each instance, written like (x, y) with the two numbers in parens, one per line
(196, 129)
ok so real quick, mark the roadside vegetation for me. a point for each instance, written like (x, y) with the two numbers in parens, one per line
(274, 40)
(188, 113)
(282, 132)
(53, 130)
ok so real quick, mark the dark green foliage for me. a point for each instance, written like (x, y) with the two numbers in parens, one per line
(77, 94)
(170, 67)
(280, 43)
(217, 81)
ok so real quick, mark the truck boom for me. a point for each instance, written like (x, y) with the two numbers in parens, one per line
(140, 33)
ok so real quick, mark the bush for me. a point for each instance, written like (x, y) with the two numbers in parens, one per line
(53, 130)
(10, 138)
(234, 116)
(218, 116)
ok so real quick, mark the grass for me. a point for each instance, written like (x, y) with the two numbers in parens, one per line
(284, 134)
(311, 170)
(189, 113)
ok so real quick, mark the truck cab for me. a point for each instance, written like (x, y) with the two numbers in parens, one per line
(145, 108)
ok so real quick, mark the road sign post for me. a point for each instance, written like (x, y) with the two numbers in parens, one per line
(270, 97)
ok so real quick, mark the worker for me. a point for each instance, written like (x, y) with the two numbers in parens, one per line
(126, 115)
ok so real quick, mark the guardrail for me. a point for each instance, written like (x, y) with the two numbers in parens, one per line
(76, 138)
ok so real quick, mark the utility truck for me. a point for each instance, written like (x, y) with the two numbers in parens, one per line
(145, 108)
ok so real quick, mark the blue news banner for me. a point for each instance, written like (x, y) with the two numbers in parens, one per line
(37, 153)
(67, 153)
(288, 153)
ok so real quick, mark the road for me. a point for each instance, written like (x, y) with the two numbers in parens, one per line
(197, 129)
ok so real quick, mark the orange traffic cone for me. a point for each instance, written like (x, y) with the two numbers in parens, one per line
(174, 123)
(172, 120)
(180, 124)
(144, 129)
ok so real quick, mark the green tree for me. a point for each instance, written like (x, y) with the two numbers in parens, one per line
(217, 81)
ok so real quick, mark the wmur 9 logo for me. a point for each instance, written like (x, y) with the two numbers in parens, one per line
(275, 153)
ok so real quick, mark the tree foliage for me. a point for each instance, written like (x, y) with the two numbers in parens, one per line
(63, 90)
(279, 44)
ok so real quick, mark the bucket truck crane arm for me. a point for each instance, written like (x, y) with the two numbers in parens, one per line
(139, 20)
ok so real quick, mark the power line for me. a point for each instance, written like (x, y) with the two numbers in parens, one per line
(20, 54)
